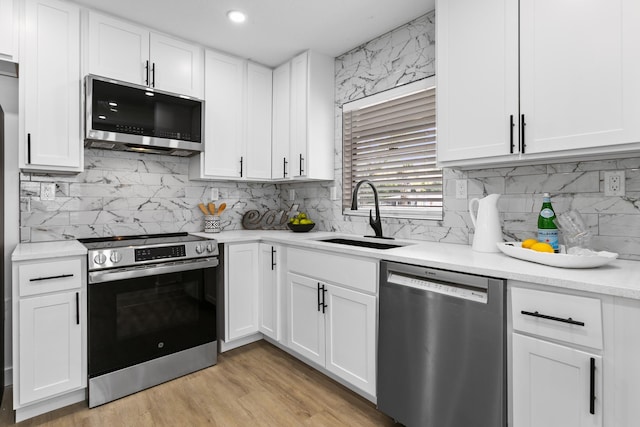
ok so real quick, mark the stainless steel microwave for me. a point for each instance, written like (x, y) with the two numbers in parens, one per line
(127, 117)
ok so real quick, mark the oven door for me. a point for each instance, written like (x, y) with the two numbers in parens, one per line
(142, 313)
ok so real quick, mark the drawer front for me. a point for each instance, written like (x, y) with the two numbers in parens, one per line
(570, 318)
(49, 276)
(356, 273)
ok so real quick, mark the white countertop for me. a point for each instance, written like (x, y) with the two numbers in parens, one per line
(40, 250)
(618, 278)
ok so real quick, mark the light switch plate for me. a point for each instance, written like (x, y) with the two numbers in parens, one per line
(292, 194)
(333, 193)
(215, 194)
(47, 191)
(461, 188)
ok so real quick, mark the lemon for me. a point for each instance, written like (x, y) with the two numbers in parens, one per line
(302, 215)
(528, 243)
(306, 221)
(296, 221)
(542, 247)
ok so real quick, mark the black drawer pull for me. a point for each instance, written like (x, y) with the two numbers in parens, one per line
(77, 308)
(592, 387)
(319, 302)
(62, 276)
(557, 319)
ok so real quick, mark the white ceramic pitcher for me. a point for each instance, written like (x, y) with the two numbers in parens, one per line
(487, 224)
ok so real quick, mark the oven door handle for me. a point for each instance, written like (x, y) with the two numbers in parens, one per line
(145, 271)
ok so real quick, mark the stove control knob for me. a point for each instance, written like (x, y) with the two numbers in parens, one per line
(115, 257)
(210, 247)
(100, 258)
(199, 248)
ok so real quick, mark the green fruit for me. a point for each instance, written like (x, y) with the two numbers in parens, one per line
(296, 221)
(292, 219)
(306, 221)
(302, 215)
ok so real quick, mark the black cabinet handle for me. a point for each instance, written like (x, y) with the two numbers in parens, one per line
(62, 276)
(273, 260)
(284, 167)
(77, 308)
(146, 67)
(241, 163)
(557, 319)
(301, 160)
(592, 387)
(511, 126)
(153, 75)
(522, 126)
(319, 302)
(324, 291)
(28, 148)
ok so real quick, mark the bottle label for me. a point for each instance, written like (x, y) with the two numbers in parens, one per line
(549, 236)
(546, 213)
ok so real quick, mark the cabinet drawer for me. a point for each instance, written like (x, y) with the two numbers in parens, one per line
(356, 273)
(49, 276)
(570, 318)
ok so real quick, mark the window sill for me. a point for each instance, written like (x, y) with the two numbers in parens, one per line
(430, 215)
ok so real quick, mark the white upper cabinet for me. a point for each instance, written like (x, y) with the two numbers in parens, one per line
(237, 144)
(280, 157)
(308, 131)
(477, 78)
(571, 100)
(127, 52)
(258, 142)
(50, 83)
(535, 92)
(8, 37)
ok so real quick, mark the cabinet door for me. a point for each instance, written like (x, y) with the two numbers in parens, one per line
(224, 93)
(476, 104)
(118, 50)
(268, 294)
(351, 337)
(552, 385)
(241, 290)
(299, 116)
(258, 133)
(50, 87)
(50, 346)
(281, 158)
(7, 47)
(567, 103)
(176, 66)
(305, 318)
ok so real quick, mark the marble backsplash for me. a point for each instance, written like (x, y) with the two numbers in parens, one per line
(130, 193)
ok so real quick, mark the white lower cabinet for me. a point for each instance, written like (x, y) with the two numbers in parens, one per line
(241, 290)
(49, 334)
(269, 291)
(50, 346)
(552, 385)
(330, 320)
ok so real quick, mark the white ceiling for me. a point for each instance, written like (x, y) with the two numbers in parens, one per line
(275, 30)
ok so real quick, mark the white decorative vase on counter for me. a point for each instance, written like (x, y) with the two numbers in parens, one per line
(486, 223)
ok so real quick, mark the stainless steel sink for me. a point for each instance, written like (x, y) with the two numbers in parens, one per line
(362, 243)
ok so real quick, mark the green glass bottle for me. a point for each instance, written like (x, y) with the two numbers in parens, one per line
(547, 229)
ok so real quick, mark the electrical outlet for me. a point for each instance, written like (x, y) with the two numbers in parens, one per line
(461, 188)
(614, 183)
(333, 193)
(292, 194)
(47, 191)
(215, 194)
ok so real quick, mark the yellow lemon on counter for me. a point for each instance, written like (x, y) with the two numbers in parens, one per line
(528, 243)
(542, 247)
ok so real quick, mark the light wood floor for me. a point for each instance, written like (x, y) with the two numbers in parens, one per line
(255, 385)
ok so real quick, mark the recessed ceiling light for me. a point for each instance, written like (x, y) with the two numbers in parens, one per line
(236, 16)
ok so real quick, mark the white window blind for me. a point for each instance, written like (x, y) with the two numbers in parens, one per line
(391, 141)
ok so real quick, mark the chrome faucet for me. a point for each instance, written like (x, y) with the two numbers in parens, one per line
(375, 224)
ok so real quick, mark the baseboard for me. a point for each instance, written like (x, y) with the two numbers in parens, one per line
(226, 346)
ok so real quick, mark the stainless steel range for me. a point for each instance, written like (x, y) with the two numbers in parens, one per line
(152, 311)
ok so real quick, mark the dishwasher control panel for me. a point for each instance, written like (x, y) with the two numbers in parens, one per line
(453, 290)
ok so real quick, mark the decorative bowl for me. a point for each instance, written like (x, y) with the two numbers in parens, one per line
(300, 228)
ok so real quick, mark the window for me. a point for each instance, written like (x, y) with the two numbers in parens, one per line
(390, 139)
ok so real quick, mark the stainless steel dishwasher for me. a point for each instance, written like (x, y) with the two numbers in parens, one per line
(441, 347)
